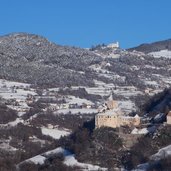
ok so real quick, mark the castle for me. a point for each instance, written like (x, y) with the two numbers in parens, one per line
(111, 116)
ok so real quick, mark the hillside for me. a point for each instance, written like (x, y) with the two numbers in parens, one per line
(153, 47)
(48, 91)
(33, 59)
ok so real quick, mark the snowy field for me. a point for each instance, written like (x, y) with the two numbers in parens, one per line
(127, 92)
(144, 130)
(10, 90)
(100, 88)
(69, 160)
(127, 106)
(161, 154)
(162, 53)
(154, 83)
(15, 90)
(55, 133)
(104, 89)
(12, 123)
(10, 84)
(76, 111)
(5, 145)
(77, 100)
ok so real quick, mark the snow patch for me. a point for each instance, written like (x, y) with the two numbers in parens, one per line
(162, 53)
(162, 153)
(77, 111)
(71, 161)
(143, 130)
(54, 133)
(37, 159)
(77, 100)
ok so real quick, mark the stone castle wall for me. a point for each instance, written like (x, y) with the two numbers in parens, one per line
(115, 121)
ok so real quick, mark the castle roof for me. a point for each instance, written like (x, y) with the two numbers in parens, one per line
(112, 112)
(136, 116)
(110, 98)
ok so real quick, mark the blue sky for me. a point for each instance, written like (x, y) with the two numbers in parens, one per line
(85, 23)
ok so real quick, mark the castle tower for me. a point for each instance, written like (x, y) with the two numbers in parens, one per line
(169, 118)
(111, 104)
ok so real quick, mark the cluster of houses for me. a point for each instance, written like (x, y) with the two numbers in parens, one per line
(54, 107)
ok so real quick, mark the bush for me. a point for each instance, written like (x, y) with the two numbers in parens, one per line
(145, 147)
(7, 114)
(98, 147)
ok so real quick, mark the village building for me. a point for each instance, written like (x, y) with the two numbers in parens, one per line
(169, 118)
(64, 106)
(148, 91)
(73, 106)
(30, 99)
(50, 126)
(111, 116)
(53, 107)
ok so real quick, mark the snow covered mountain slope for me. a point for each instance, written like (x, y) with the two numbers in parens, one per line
(162, 53)
(33, 59)
(153, 47)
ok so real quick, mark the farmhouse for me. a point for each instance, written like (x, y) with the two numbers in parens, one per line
(111, 116)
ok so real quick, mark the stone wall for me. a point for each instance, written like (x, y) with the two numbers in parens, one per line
(106, 120)
(169, 120)
(115, 121)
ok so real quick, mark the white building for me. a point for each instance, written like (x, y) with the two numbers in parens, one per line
(113, 45)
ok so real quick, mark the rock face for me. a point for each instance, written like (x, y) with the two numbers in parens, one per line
(32, 58)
